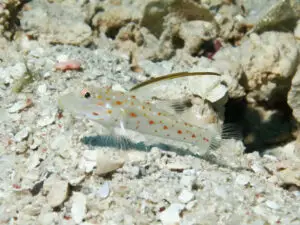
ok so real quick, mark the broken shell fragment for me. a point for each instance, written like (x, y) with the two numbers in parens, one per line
(58, 193)
(105, 165)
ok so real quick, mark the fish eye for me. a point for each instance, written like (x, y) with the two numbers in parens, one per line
(87, 95)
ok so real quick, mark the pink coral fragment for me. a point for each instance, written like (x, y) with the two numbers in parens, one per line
(68, 65)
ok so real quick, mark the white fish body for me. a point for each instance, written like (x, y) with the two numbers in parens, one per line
(117, 109)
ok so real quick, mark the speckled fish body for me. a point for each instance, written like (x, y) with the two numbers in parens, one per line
(117, 109)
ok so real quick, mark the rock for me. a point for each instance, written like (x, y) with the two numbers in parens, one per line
(191, 205)
(8, 13)
(47, 117)
(208, 87)
(33, 161)
(269, 15)
(185, 196)
(58, 193)
(155, 69)
(294, 95)
(177, 166)
(188, 181)
(171, 215)
(56, 23)
(269, 65)
(11, 73)
(106, 165)
(194, 33)
(156, 12)
(78, 209)
(226, 60)
(77, 180)
(3, 115)
(230, 22)
(242, 179)
(42, 89)
(88, 161)
(22, 134)
(115, 16)
(297, 30)
(290, 175)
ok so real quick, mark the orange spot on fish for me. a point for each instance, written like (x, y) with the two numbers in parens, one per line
(205, 139)
(165, 127)
(193, 136)
(100, 103)
(109, 111)
(179, 132)
(132, 114)
(151, 122)
(119, 102)
(95, 113)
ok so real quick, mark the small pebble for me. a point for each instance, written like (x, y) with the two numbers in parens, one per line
(118, 87)
(106, 165)
(22, 134)
(42, 89)
(175, 166)
(187, 182)
(47, 218)
(18, 106)
(171, 215)
(272, 204)
(185, 196)
(191, 205)
(103, 191)
(45, 121)
(58, 193)
(3, 115)
(242, 179)
(78, 209)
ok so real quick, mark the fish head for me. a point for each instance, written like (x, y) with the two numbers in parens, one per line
(86, 103)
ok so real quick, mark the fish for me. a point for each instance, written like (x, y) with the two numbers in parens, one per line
(115, 109)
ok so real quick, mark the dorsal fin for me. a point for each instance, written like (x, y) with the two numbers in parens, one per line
(171, 76)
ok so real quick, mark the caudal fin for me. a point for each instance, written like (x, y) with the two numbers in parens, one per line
(232, 131)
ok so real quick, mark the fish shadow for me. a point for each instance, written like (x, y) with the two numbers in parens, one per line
(123, 143)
